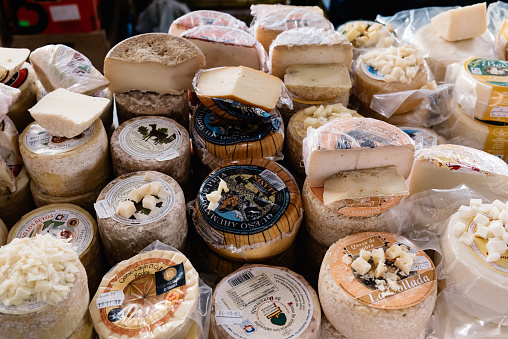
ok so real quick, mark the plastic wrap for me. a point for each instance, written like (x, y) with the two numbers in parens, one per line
(298, 105)
(158, 16)
(8, 96)
(205, 17)
(155, 294)
(364, 41)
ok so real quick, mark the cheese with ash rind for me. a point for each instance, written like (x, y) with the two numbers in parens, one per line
(15, 205)
(205, 17)
(26, 81)
(455, 24)
(11, 60)
(355, 143)
(124, 237)
(153, 62)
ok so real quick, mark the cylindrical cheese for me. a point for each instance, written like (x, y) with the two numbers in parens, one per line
(328, 331)
(314, 251)
(85, 330)
(66, 167)
(15, 205)
(167, 222)
(423, 137)
(152, 143)
(26, 81)
(257, 218)
(136, 104)
(420, 116)
(71, 222)
(267, 301)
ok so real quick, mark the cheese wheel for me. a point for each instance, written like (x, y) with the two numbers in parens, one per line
(265, 301)
(167, 222)
(15, 205)
(66, 167)
(257, 218)
(71, 222)
(420, 116)
(299, 105)
(135, 104)
(3, 233)
(152, 143)
(85, 329)
(26, 81)
(157, 292)
(205, 17)
(355, 306)
(328, 331)
(217, 140)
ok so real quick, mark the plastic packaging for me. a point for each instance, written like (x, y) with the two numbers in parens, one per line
(205, 17)
(158, 16)
(360, 34)
(155, 294)
(497, 21)
(298, 105)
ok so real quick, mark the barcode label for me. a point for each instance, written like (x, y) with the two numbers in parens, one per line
(245, 276)
(273, 179)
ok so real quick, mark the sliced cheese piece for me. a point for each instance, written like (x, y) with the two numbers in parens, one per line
(317, 82)
(153, 62)
(456, 24)
(124, 237)
(15, 205)
(226, 46)
(158, 289)
(59, 66)
(242, 84)
(205, 17)
(8, 97)
(285, 288)
(309, 45)
(11, 60)
(26, 81)
(355, 143)
(258, 218)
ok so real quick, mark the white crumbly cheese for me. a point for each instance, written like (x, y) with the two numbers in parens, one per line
(144, 190)
(361, 266)
(149, 176)
(215, 196)
(365, 254)
(135, 195)
(126, 209)
(163, 194)
(155, 188)
(404, 262)
(481, 231)
(149, 202)
(346, 259)
(378, 256)
(481, 219)
(393, 252)
(365, 34)
(467, 239)
(461, 23)
(320, 115)
(11, 60)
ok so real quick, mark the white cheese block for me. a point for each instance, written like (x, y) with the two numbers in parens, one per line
(66, 114)
(64, 167)
(59, 66)
(358, 309)
(226, 46)
(258, 217)
(66, 221)
(205, 17)
(245, 85)
(367, 34)
(317, 82)
(265, 311)
(11, 60)
(26, 81)
(153, 62)
(152, 143)
(303, 46)
(456, 24)
(15, 205)
(355, 143)
(447, 166)
(8, 97)
(3, 233)
(121, 237)
(142, 285)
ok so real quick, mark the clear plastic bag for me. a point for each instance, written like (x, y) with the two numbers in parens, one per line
(205, 17)
(159, 15)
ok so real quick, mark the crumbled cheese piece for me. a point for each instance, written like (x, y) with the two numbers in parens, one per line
(393, 252)
(135, 195)
(380, 270)
(212, 206)
(223, 187)
(380, 284)
(504, 216)
(361, 266)
(429, 85)
(346, 259)
(496, 246)
(475, 202)
(505, 238)
(378, 256)
(496, 227)
(363, 34)
(466, 239)
(163, 194)
(126, 209)
(485, 208)
(492, 257)
(155, 188)
(149, 176)
(365, 254)
(144, 190)
(392, 284)
(149, 202)
(481, 219)
(319, 116)
(404, 262)
(499, 204)
(214, 196)
(494, 212)
(481, 232)
(465, 212)
(459, 228)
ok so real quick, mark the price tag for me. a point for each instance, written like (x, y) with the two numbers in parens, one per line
(110, 299)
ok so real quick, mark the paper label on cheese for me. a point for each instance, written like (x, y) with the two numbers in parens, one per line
(39, 141)
(19, 78)
(151, 139)
(71, 63)
(264, 301)
(497, 141)
(153, 288)
(31, 305)
(413, 288)
(120, 192)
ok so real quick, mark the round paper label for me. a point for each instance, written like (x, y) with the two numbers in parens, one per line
(488, 71)
(19, 78)
(39, 141)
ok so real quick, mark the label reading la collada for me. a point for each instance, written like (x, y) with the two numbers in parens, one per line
(39, 141)
(413, 288)
(264, 301)
(151, 138)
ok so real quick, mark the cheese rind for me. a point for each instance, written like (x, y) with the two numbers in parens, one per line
(15, 205)
(11, 60)
(8, 96)
(26, 81)
(205, 17)
(456, 24)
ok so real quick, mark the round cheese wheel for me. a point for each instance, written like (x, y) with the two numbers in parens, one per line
(156, 291)
(328, 331)
(167, 222)
(356, 307)
(65, 167)
(15, 205)
(85, 329)
(3, 233)
(152, 143)
(26, 81)
(71, 222)
(299, 105)
(134, 104)
(264, 301)
(420, 116)
(217, 140)
(257, 218)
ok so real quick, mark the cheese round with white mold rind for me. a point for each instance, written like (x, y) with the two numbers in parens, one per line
(240, 308)
(309, 45)
(3, 233)
(66, 221)
(217, 140)
(355, 143)
(11, 60)
(26, 81)
(258, 217)
(153, 62)
(152, 143)
(226, 46)
(148, 307)
(122, 238)
(15, 205)
(346, 296)
(455, 24)
(65, 167)
(205, 17)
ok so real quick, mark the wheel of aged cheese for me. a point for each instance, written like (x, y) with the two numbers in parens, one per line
(328, 331)
(71, 222)
(26, 81)
(265, 301)
(218, 140)
(125, 237)
(355, 305)
(85, 329)
(15, 205)
(66, 167)
(156, 290)
(299, 105)
(135, 104)
(152, 143)
(3, 233)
